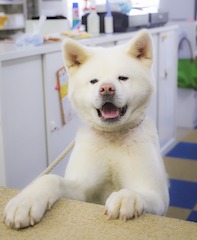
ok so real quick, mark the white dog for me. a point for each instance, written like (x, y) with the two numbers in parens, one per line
(116, 160)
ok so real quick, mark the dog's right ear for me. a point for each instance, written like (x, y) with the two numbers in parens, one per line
(74, 54)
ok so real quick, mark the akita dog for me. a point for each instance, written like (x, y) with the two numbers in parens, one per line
(116, 159)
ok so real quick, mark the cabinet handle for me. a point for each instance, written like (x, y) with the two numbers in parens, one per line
(164, 75)
(53, 127)
(164, 37)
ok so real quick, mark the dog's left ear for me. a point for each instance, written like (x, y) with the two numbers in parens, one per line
(74, 54)
(140, 47)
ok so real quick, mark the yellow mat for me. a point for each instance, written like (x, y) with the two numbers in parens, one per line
(74, 220)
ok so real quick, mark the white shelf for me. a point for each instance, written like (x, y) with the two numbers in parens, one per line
(12, 28)
(13, 22)
(18, 2)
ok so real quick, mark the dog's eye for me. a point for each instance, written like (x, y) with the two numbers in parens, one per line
(123, 78)
(93, 81)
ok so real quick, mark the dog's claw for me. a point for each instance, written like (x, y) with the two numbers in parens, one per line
(17, 225)
(109, 217)
(10, 224)
(32, 221)
(123, 218)
(49, 206)
(136, 214)
(105, 212)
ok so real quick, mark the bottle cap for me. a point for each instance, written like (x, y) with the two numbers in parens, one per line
(75, 5)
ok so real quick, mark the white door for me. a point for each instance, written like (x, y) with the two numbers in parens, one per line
(23, 120)
(167, 88)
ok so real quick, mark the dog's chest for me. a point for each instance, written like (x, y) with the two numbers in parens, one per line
(109, 173)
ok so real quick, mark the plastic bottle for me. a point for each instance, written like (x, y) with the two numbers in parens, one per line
(75, 15)
(108, 19)
(93, 22)
(85, 9)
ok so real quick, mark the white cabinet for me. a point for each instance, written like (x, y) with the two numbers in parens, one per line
(167, 80)
(22, 120)
(58, 135)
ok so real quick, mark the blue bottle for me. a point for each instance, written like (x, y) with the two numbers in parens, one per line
(75, 15)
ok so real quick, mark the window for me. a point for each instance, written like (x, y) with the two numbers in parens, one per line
(138, 3)
(145, 3)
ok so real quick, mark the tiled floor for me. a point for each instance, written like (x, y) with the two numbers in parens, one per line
(181, 165)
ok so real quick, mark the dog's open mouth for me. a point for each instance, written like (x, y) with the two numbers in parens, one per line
(110, 112)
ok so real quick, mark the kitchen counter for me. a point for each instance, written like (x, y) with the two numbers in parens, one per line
(11, 51)
(74, 220)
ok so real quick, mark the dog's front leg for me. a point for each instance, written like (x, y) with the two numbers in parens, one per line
(29, 206)
(124, 204)
(127, 204)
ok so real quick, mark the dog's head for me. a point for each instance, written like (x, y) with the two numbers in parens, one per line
(110, 87)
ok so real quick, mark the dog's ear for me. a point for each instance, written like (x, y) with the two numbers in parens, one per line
(74, 54)
(140, 47)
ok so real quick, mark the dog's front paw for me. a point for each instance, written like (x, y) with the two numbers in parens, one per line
(29, 206)
(124, 204)
(26, 209)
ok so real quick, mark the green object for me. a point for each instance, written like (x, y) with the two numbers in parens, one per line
(187, 69)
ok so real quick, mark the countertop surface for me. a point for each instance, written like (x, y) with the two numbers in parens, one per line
(74, 220)
(9, 50)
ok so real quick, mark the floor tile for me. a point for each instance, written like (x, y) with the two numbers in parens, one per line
(181, 169)
(183, 194)
(193, 216)
(195, 208)
(184, 150)
(191, 137)
(180, 213)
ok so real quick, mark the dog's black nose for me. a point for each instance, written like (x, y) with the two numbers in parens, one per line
(107, 89)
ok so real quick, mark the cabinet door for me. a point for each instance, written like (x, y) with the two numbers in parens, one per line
(23, 120)
(58, 135)
(167, 88)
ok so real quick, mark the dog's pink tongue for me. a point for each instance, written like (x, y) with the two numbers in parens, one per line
(109, 111)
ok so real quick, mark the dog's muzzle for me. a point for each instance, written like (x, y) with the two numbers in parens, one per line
(109, 112)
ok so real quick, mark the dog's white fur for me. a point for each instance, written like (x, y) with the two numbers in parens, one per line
(116, 163)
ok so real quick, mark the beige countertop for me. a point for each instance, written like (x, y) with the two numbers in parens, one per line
(78, 220)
